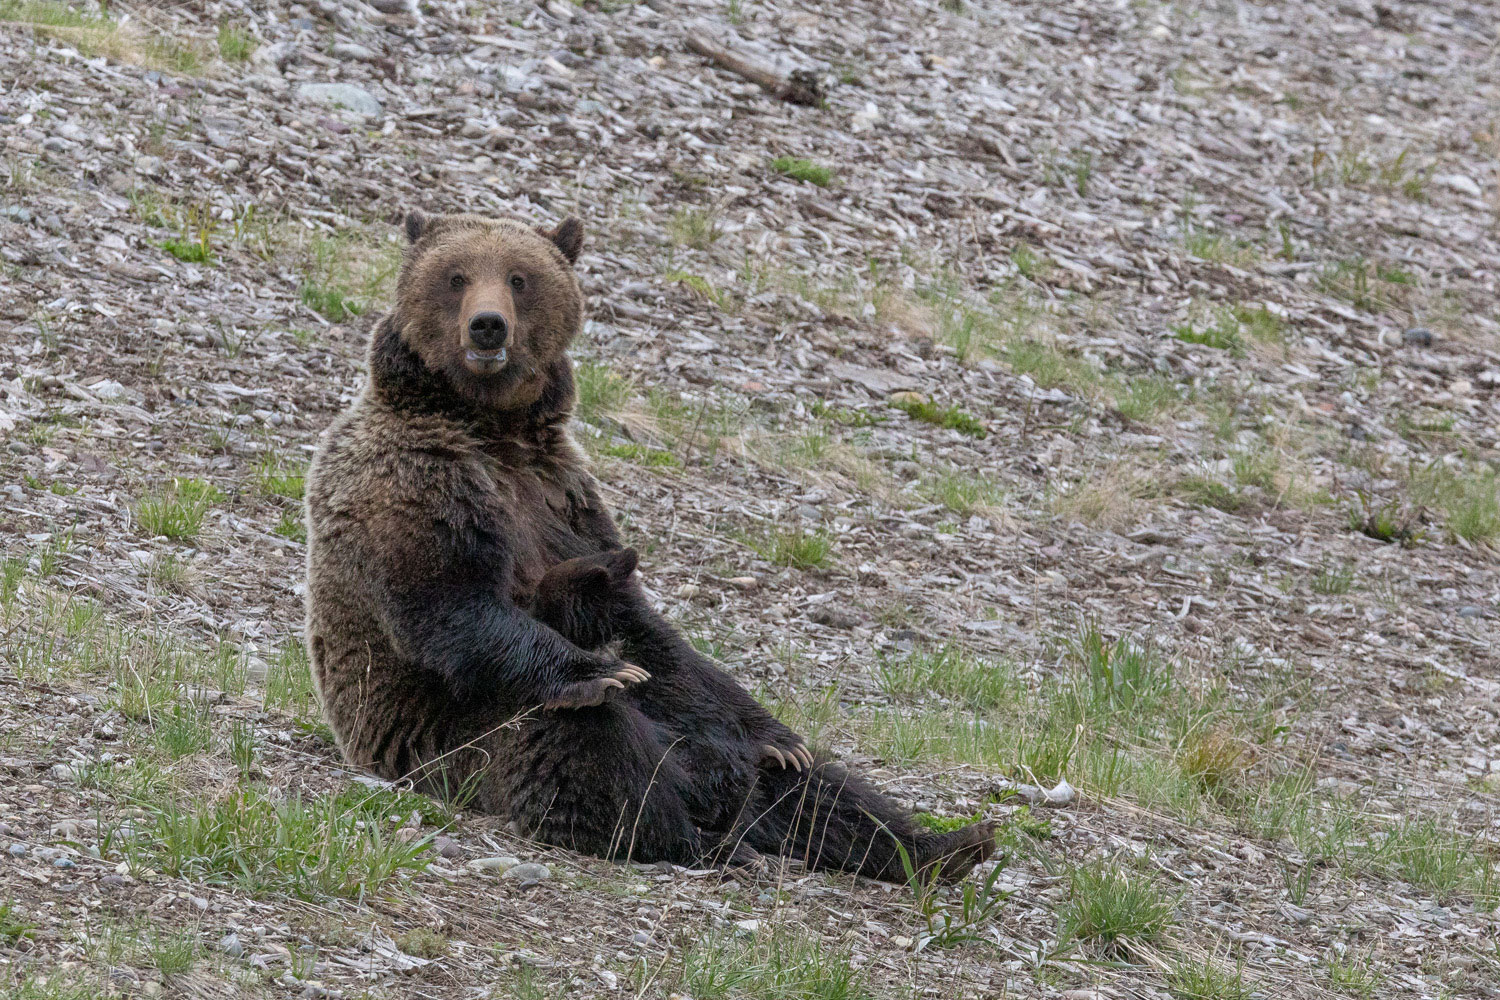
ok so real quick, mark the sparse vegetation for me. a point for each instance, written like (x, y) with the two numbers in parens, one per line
(797, 548)
(309, 847)
(177, 512)
(1113, 907)
(345, 277)
(883, 418)
(697, 228)
(236, 44)
(947, 417)
(799, 169)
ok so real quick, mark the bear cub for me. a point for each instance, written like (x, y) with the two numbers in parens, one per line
(753, 781)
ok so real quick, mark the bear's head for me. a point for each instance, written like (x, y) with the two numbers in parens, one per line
(587, 599)
(490, 305)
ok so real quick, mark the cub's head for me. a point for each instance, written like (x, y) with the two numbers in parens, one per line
(586, 598)
(490, 304)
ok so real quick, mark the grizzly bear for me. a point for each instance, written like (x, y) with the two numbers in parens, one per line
(734, 752)
(436, 505)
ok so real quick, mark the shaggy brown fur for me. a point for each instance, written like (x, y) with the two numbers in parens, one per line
(436, 504)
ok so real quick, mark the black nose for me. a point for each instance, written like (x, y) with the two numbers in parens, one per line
(488, 331)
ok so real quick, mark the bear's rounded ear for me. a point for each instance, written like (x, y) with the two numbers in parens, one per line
(568, 236)
(416, 223)
(622, 562)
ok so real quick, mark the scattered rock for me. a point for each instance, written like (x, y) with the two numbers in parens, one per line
(497, 865)
(527, 873)
(346, 96)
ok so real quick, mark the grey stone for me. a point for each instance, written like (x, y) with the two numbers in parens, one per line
(341, 95)
(353, 50)
(528, 872)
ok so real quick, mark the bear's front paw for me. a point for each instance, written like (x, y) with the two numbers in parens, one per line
(598, 690)
(791, 752)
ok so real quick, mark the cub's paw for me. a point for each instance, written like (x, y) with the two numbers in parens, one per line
(598, 690)
(787, 751)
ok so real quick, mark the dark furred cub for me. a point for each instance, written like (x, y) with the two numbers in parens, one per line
(752, 779)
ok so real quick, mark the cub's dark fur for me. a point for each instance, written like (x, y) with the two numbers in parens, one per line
(436, 504)
(823, 815)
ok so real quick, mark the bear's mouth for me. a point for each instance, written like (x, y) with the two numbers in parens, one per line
(485, 362)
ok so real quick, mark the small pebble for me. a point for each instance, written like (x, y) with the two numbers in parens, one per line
(18, 850)
(527, 872)
(447, 847)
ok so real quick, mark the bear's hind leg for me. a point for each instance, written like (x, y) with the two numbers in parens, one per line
(830, 818)
(594, 780)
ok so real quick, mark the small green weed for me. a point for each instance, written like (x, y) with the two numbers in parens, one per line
(799, 169)
(797, 548)
(1114, 907)
(948, 417)
(177, 512)
(236, 44)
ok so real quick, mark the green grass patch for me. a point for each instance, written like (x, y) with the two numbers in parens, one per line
(345, 276)
(197, 251)
(276, 476)
(289, 683)
(1207, 979)
(951, 673)
(781, 964)
(1467, 497)
(796, 548)
(697, 228)
(1112, 907)
(1222, 333)
(947, 417)
(630, 451)
(236, 44)
(702, 287)
(799, 169)
(1206, 492)
(962, 492)
(601, 392)
(292, 525)
(177, 512)
(309, 847)
(1145, 398)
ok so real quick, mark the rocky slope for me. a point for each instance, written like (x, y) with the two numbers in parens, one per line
(1100, 392)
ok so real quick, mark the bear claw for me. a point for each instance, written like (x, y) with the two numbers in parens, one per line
(598, 690)
(799, 758)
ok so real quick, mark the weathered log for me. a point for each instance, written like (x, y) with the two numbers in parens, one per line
(799, 87)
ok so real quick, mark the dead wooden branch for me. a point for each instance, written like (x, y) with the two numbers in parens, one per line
(799, 87)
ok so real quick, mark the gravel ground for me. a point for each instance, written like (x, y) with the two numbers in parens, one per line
(1140, 356)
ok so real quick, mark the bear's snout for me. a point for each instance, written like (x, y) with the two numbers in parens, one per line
(488, 331)
(487, 328)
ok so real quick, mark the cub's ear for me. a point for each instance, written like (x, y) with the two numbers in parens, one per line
(622, 563)
(568, 236)
(416, 224)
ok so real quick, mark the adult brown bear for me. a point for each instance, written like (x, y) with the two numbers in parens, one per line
(436, 505)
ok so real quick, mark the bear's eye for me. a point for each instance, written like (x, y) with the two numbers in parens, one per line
(517, 282)
(457, 281)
